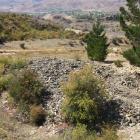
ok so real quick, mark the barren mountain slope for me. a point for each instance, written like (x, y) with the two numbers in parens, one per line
(44, 5)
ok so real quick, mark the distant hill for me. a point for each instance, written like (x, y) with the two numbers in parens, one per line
(22, 27)
(45, 5)
(15, 26)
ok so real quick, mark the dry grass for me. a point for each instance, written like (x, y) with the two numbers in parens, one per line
(60, 52)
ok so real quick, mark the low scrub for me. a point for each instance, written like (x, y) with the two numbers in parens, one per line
(133, 56)
(4, 82)
(26, 89)
(117, 41)
(85, 95)
(37, 115)
(12, 63)
(3, 134)
(80, 133)
(118, 63)
(22, 27)
(18, 64)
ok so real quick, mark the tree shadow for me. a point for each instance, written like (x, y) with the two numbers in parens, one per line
(110, 113)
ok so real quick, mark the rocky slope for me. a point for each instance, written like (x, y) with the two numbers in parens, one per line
(123, 84)
(44, 5)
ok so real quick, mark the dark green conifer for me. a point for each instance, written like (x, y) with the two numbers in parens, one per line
(130, 23)
(97, 43)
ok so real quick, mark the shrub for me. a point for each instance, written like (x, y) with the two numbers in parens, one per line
(132, 56)
(22, 45)
(13, 63)
(109, 134)
(117, 41)
(4, 60)
(17, 64)
(118, 63)
(1, 69)
(80, 133)
(37, 115)
(4, 82)
(26, 89)
(3, 134)
(85, 96)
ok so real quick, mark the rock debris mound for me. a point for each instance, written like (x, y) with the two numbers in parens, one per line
(53, 72)
(122, 84)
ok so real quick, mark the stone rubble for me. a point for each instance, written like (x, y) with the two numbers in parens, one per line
(122, 84)
(53, 72)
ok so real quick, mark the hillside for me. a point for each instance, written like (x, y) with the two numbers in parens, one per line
(23, 27)
(46, 5)
(69, 70)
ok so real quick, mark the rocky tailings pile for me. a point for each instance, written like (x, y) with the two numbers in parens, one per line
(123, 85)
(52, 72)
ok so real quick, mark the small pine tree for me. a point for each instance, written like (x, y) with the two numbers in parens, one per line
(130, 23)
(97, 43)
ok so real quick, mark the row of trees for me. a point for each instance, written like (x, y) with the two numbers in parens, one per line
(97, 42)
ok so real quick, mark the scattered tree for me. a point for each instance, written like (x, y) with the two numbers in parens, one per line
(97, 43)
(130, 23)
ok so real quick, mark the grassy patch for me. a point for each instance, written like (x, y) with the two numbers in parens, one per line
(12, 63)
(80, 133)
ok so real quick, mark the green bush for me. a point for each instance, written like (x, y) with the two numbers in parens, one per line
(85, 96)
(37, 115)
(133, 56)
(26, 89)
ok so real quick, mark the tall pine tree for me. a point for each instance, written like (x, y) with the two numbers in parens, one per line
(97, 43)
(130, 23)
